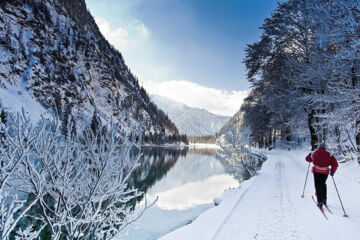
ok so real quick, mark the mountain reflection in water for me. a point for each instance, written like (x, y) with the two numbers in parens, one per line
(186, 181)
(155, 162)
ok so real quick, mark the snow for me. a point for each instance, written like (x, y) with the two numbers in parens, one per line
(269, 205)
(150, 227)
(15, 99)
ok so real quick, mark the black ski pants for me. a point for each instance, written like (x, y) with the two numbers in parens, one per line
(320, 187)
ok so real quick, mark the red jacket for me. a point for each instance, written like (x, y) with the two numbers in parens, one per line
(322, 160)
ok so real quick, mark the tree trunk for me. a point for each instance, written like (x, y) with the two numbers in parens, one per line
(357, 138)
(274, 138)
(338, 139)
(314, 140)
(357, 127)
(287, 136)
(358, 146)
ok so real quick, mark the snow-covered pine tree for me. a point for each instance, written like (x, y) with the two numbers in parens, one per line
(304, 72)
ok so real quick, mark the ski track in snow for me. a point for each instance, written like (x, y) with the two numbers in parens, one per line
(269, 219)
(269, 206)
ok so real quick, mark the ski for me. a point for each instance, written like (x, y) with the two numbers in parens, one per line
(327, 208)
(321, 210)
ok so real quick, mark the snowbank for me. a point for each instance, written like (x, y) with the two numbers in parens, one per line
(204, 145)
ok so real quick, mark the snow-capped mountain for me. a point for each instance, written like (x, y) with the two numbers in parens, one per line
(191, 121)
(52, 52)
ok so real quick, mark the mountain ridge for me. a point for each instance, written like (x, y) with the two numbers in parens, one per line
(191, 121)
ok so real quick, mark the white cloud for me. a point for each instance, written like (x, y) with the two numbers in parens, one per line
(217, 101)
(118, 37)
(143, 30)
(132, 40)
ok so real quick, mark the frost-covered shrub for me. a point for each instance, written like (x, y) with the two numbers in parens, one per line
(236, 153)
(77, 183)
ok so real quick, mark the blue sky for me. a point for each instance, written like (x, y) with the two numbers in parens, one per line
(198, 42)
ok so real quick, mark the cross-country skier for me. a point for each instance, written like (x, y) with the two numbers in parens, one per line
(322, 159)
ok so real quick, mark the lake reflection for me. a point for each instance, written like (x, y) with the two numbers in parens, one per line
(186, 181)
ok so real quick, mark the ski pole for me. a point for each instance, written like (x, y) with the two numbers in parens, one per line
(345, 215)
(307, 173)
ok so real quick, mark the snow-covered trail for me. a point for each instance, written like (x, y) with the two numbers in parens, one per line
(269, 206)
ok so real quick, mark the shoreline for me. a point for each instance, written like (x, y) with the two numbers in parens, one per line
(183, 145)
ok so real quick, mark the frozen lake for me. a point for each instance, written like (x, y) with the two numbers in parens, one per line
(186, 181)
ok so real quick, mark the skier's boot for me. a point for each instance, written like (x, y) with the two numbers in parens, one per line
(320, 205)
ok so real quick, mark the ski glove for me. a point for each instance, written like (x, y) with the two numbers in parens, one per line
(331, 173)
